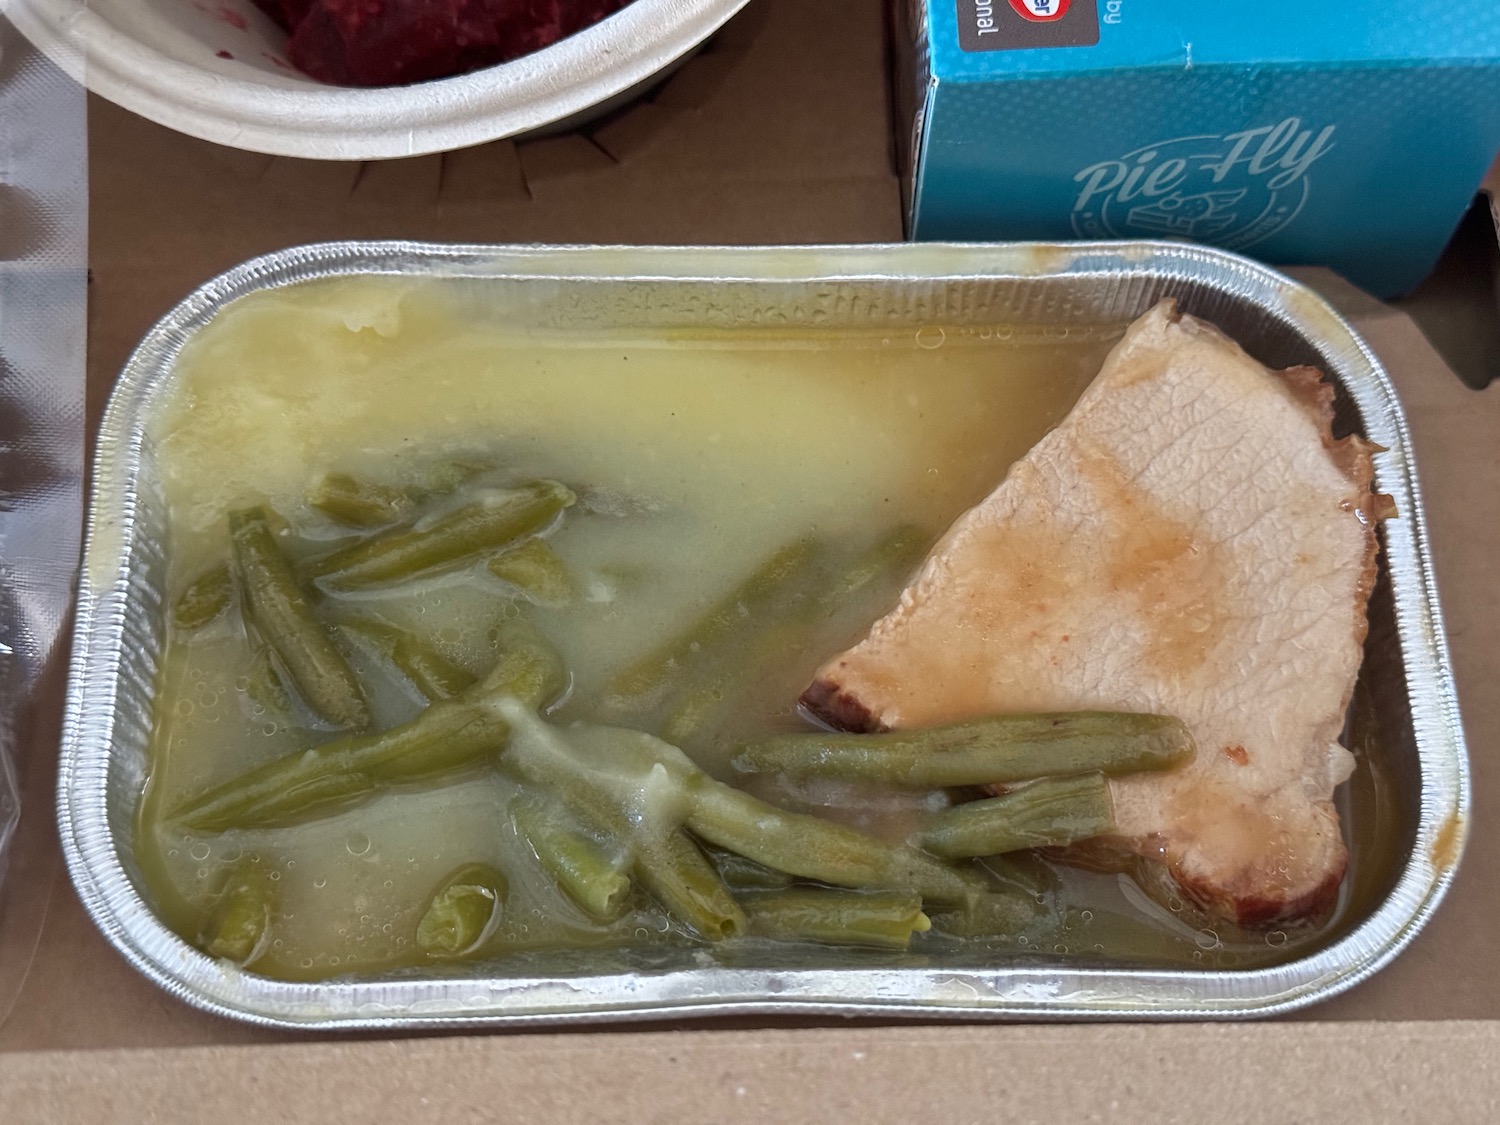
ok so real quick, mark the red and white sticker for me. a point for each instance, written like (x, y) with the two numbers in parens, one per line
(1041, 11)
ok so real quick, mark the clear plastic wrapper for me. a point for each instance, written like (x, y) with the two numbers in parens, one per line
(43, 304)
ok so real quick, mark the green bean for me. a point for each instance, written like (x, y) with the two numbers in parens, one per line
(534, 567)
(693, 714)
(447, 736)
(812, 848)
(658, 852)
(999, 914)
(610, 771)
(529, 669)
(263, 684)
(596, 880)
(897, 550)
(237, 928)
(733, 614)
(600, 791)
(796, 843)
(494, 519)
(637, 806)
(635, 803)
(356, 503)
(205, 599)
(1050, 812)
(447, 476)
(695, 710)
(999, 749)
(674, 871)
(324, 778)
(879, 919)
(432, 674)
(275, 603)
(745, 874)
(462, 912)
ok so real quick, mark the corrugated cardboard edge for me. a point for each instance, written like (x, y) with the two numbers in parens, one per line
(1369, 1072)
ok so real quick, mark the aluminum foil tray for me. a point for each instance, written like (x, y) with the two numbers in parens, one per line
(120, 628)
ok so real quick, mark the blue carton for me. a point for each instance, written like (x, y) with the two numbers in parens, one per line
(1349, 134)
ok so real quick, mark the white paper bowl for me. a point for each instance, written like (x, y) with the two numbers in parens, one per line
(165, 59)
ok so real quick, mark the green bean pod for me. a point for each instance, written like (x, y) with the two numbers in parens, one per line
(533, 567)
(595, 878)
(492, 520)
(275, 603)
(636, 805)
(205, 599)
(675, 872)
(732, 615)
(432, 674)
(630, 773)
(462, 912)
(1000, 750)
(357, 503)
(810, 847)
(896, 551)
(236, 930)
(448, 736)
(327, 777)
(263, 684)
(529, 668)
(625, 775)
(1050, 812)
(694, 711)
(877, 920)
(448, 476)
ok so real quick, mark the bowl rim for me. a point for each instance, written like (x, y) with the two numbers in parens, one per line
(315, 121)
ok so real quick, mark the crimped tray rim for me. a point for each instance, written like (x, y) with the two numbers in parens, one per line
(1051, 992)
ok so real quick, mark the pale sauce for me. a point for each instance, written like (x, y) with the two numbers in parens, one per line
(697, 455)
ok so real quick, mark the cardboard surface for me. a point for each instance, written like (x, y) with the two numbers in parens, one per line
(777, 133)
(1171, 1075)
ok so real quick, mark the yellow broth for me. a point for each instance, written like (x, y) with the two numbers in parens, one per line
(696, 455)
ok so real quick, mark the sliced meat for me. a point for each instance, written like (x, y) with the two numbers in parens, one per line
(1190, 540)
